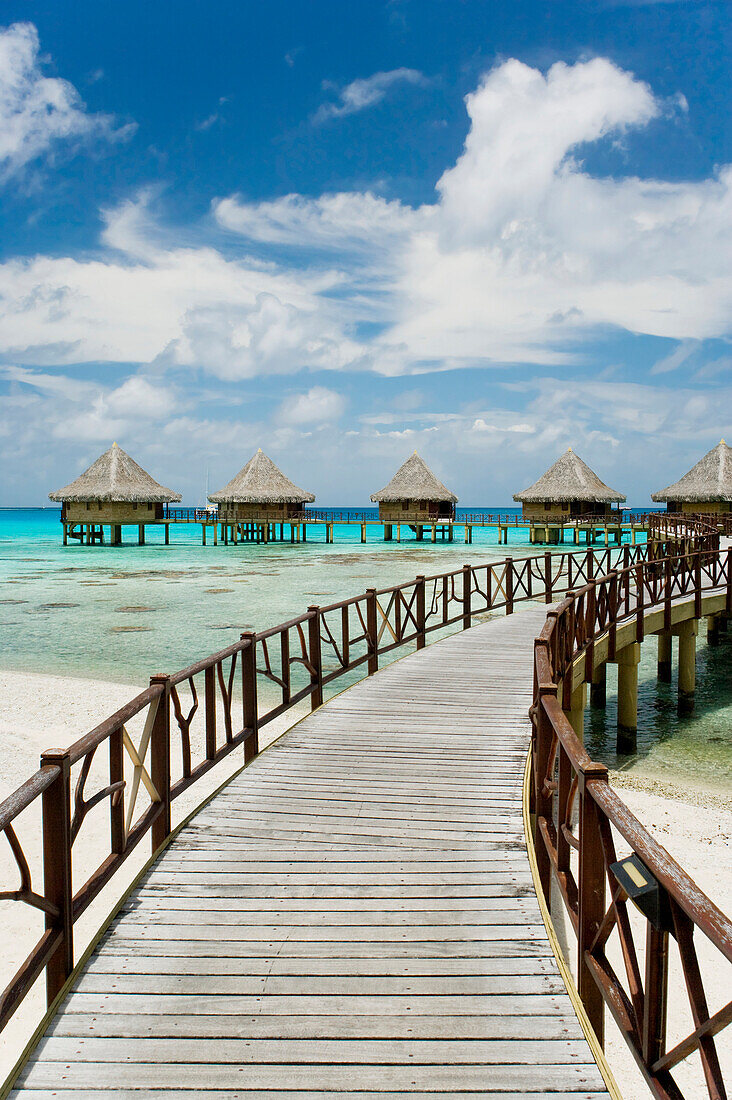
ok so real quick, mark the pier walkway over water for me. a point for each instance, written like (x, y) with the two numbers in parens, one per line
(359, 911)
(354, 913)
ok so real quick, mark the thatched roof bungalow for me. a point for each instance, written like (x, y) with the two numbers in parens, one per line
(114, 490)
(259, 492)
(415, 494)
(568, 487)
(707, 487)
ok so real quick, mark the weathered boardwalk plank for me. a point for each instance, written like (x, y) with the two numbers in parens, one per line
(353, 916)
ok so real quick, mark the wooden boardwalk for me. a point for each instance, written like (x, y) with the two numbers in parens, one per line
(353, 916)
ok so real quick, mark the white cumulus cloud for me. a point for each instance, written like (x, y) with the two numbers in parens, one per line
(316, 406)
(38, 113)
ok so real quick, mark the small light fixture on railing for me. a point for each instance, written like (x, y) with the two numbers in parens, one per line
(644, 891)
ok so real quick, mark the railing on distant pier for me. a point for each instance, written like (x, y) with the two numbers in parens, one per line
(625, 517)
(568, 788)
(352, 515)
(140, 781)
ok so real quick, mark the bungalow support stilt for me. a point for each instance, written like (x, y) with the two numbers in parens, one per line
(576, 712)
(687, 632)
(628, 659)
(664, 656)
(598, 688)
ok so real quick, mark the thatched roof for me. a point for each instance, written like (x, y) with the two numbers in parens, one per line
(116, 477)
(709, 481)
(261, 482)
(568, 479)
(414, 481)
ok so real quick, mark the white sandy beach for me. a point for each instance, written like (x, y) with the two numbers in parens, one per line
(41, 711)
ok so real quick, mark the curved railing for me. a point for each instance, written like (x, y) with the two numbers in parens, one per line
(578, 817)
(183, 725)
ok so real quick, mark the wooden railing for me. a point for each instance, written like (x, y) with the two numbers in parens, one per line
(146, 754)
(579, 817)
(181, 726)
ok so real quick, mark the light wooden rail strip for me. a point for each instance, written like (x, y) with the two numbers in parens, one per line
(354, 914)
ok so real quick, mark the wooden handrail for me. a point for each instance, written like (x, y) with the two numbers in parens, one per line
(583, 618)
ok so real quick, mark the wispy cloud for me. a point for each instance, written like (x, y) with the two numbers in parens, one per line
(366, 92)
(39, 114)
(318, 405)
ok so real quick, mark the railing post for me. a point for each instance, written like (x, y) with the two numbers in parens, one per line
(250, 704)
(509, 586)
(160, 761)
(697, 585)
(548, 577)
(316, 675)
(421, 612)
(209, 685)
(117, 839)
(728, 601)
(57, 881)
(542, 795)
(591, 897)
(640, 602)
(467, 594)
(655, 996)
(372, 631)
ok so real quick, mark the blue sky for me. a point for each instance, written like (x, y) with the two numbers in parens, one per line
(341, 232)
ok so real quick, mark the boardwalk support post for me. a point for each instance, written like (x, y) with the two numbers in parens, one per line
(57, 869)
(160, 761)
(687, 632)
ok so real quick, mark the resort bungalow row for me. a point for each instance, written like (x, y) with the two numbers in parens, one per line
(116, 491)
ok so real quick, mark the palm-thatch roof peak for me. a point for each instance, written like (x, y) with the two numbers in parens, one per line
(261, 482)
(414, 481)
(709, 481)
(569, 479)
(116, 477)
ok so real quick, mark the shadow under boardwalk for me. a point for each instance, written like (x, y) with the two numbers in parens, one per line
(353, 914)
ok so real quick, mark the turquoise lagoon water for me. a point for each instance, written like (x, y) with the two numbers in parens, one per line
(122, 613)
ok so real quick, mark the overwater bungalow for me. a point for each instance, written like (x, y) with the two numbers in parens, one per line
(568, 489)
(113, 491)
(260, 493)
(707, 487)
(415, 495)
